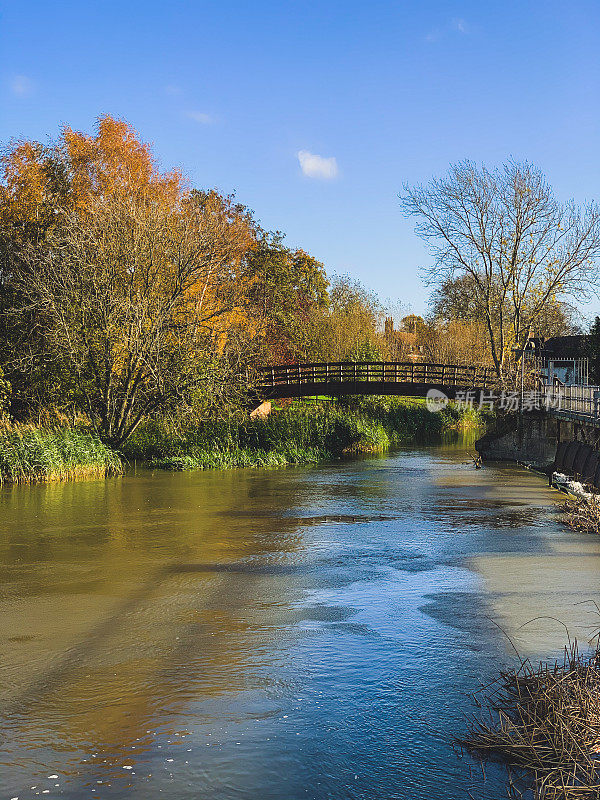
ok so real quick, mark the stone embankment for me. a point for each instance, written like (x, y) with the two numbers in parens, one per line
(528, 439)
(546, 443)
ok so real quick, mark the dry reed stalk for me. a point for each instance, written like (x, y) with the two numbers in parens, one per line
(582, 514)
(545, 720)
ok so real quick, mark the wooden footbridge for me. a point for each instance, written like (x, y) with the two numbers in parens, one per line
(403, 378)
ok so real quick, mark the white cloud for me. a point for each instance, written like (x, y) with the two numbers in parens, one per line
(460, 25)
(314, 166)
(21, 86)
(201, 117)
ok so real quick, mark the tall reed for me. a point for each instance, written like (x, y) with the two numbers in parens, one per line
(545, 722)
(301, 433)
(29, 454)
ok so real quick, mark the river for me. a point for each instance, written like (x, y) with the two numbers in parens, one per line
(274, 634)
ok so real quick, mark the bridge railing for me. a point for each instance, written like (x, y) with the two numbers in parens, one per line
(578, 401)
(378, 371)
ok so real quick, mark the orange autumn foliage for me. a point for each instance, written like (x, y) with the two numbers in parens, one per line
(134, 287)
(115, 163)
(82, 173)
(39, 182)
(27, 201)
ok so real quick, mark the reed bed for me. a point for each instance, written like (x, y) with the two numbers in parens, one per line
(303, 433)
(582, 514)
(29, 454)
(545, 722)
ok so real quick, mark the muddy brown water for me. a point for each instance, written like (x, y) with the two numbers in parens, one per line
(275, 634)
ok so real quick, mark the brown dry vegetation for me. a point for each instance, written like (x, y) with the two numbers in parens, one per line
(582, 514)
(545, 721)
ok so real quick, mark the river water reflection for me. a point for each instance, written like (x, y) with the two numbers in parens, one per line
(276, 634)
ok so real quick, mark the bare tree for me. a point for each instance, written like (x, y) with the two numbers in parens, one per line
(135, 297)
(520, 247)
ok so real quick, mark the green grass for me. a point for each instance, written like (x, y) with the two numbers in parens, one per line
(29, 454)
(304, 433)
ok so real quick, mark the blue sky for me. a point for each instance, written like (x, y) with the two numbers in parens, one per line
(370, 94)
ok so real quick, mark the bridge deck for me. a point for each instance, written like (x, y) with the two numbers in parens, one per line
(374, 377)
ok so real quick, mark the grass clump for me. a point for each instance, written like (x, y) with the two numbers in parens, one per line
(29, 454)
(406, 419)
(545, 721)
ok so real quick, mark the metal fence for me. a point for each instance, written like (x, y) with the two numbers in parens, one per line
(575, 401)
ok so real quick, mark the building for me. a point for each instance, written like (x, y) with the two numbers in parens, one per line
(561, 359)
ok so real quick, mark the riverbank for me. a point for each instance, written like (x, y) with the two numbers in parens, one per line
(543, 720)
(302, 433)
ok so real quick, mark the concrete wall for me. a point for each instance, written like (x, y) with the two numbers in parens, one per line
(533, 439)
(530, 438)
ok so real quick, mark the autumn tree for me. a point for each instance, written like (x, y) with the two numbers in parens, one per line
(40, 183)
(133, 296)
(351, 327)
(516, 246)
(41, 186)
(289, 287)
(119, 283)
